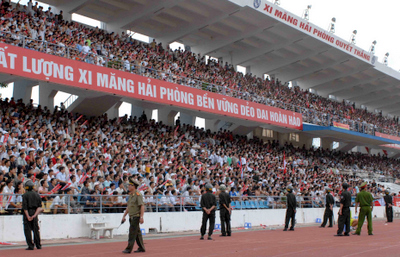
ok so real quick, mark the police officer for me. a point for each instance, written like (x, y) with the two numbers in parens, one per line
(389, 206)
(328, 209)
(344, 211)
(32, 207)
(290, 209)
(225, 211)
(135, 209)
(366, 201)
(208, 204)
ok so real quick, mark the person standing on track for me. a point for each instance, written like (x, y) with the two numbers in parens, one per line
(208, 203)
(135, 209)
(328, 208)
(31, 207)
(225, 211)
(366, 201)
(344, 211)
(389, 206)
(290, 209)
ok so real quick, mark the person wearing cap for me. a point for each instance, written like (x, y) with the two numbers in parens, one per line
(344, 211)
(366, 202)
(328, 208)
(31, 207)
(290, 209)
(208, 204)
(389, 206)
(135, 209)
(225, 211)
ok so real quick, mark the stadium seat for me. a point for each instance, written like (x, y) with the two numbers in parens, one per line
(238, 205)
(197, 208)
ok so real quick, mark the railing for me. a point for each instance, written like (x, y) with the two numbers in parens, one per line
(74, 204)
(309, 115)
(69, 101)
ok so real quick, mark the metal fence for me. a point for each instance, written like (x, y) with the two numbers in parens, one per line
(74, 204)
(101, 59)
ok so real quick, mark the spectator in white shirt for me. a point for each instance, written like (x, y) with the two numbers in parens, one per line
(8, 190)
(61, 176)
(58, 204)
(86, 48)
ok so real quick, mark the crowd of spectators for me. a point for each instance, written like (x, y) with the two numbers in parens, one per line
(88, 158)
(34, 28)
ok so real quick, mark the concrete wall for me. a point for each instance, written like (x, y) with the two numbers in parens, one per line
(74, 225)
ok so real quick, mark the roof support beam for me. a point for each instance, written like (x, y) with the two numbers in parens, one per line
(246, 56)
(218, 44)
(344, 87)
(287, 61)
(363, 93)
(206, 21)
(128, 18)
(317, 68)
(73, 6)
(360, 69)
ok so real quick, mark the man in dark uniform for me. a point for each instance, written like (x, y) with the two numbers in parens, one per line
(366, 201)
(389, 206)
(290, 209)
(225, 211)
(208, 204)
(135, 209)
(32, 207)
(344, 211)
(328, 209)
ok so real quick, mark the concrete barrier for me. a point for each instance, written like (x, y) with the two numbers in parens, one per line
(74, 225)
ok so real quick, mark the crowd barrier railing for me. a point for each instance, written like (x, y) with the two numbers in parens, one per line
(75, 204)
(100, 58)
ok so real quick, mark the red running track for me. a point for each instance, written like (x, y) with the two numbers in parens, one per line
(308, 241)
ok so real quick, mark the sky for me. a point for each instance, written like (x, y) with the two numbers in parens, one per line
(373, 20)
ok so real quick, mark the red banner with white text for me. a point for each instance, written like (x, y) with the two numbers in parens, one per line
(35, 65)
(394, 146)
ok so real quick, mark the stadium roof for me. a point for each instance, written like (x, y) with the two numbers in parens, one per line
(245, 33)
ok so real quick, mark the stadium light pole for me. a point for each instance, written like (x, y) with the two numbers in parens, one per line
(372, 48)
(385, 59)
(306, 14)
(353, 37)
(277, 2)
(331, 27)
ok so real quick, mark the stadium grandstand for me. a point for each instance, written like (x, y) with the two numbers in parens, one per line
(302, 85)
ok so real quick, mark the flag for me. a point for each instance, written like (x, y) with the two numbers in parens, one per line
(176, 131)
(385, 152)
(366, 148)
(78, 118)
(143, 187)
(83, 178)
(9, 200)
(54, 190)
(284, 163)
(66, 186)
(379, 202)
(6, 138)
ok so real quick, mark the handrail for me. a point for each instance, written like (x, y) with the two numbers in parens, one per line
(70, 100)
(78, 203)
(309, 115)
